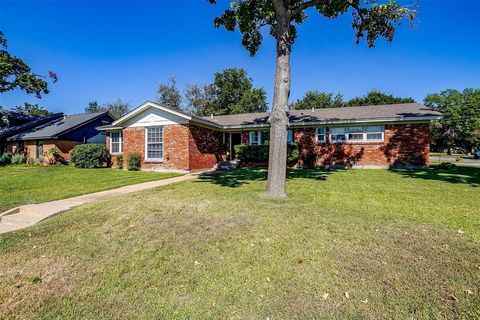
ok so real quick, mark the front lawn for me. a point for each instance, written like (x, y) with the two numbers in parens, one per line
(355, 244)
(24, 185)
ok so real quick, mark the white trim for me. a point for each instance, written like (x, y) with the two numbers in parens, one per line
(147, 159)
(146, 105)
(259, 138)
(120, 138)
(363, 133)
(324, 135)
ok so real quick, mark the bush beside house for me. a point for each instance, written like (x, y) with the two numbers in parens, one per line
(90, 155)
(134, 162)
(259, 153)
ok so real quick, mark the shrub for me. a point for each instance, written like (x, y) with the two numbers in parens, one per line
(133, 162)
(90, 155)
(54, 152)
(252, 153)
(119, 161)
(30, 161)
(18, 158)
(6, 158)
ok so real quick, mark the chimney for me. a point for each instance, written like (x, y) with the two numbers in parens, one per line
(313, 109)
(211, 115)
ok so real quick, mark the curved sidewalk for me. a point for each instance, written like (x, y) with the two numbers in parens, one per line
(30, 214)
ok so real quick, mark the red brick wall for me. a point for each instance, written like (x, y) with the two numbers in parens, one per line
(404, 144)
(30, 150)
(133, 142)
(206, 147)
(245, 137)
(175, 147)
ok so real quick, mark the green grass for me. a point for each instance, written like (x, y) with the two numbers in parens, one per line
(355, 244)
(24, 184)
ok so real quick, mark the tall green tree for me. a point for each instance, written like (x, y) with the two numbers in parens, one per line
(93, 106)
(199, 98)
(231, 92)
(31, 109)
(460, 127)
(318, 99)
(169, 96)
(374, 97)
(117, 108)
(371, 20)
(15, 73)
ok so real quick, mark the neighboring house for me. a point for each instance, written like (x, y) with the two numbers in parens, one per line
(12, 122)
(57, 131)
(370, 136)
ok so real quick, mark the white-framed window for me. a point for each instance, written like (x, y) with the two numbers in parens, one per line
(374, 133)
(357, 134)
(289, 136)
(255, 138)
(154, 143)
(321, 135)
(116, 142)
(338, 134)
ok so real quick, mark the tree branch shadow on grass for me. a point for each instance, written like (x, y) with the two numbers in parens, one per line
(238, 177)
(456, 175)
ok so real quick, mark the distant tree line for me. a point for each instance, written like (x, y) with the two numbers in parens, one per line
(231, 92)
(320, 99)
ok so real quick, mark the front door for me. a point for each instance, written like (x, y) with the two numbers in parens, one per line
(39, 153)
(236, 140)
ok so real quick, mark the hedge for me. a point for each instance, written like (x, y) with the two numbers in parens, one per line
(254, 153)
(90, 155)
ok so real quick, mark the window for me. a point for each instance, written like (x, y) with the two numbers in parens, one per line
(289, 136)
(255, 138)
(338, 134)
(374, 133)
(356, 134)
(321, 135)
(116, 142)
(154, 143)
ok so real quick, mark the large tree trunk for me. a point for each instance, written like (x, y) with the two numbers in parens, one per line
(277, 161)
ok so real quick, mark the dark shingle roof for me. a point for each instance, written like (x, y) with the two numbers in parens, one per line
(37, 121)
(17, 115)
(405, 111)
(56, 127)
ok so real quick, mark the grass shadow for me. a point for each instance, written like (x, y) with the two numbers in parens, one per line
(456, 175)
(238, 177)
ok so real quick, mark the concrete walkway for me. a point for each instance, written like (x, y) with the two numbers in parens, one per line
(27, 215)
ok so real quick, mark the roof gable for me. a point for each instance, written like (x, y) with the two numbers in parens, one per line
(160, 113)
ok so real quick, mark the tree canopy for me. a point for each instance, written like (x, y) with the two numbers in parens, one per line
(117, 108)
(460, 127)
(169, 95)
(320, 99)
(31, 109)
(15, 73)
(374, 97)
(370, 19)
(231, 92)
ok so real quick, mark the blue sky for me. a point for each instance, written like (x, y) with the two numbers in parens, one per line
(104, 50)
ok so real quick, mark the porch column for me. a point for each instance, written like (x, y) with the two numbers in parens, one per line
(231, 147)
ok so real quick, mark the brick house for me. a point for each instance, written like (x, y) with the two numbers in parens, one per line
(370, 136)
(57, 130)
